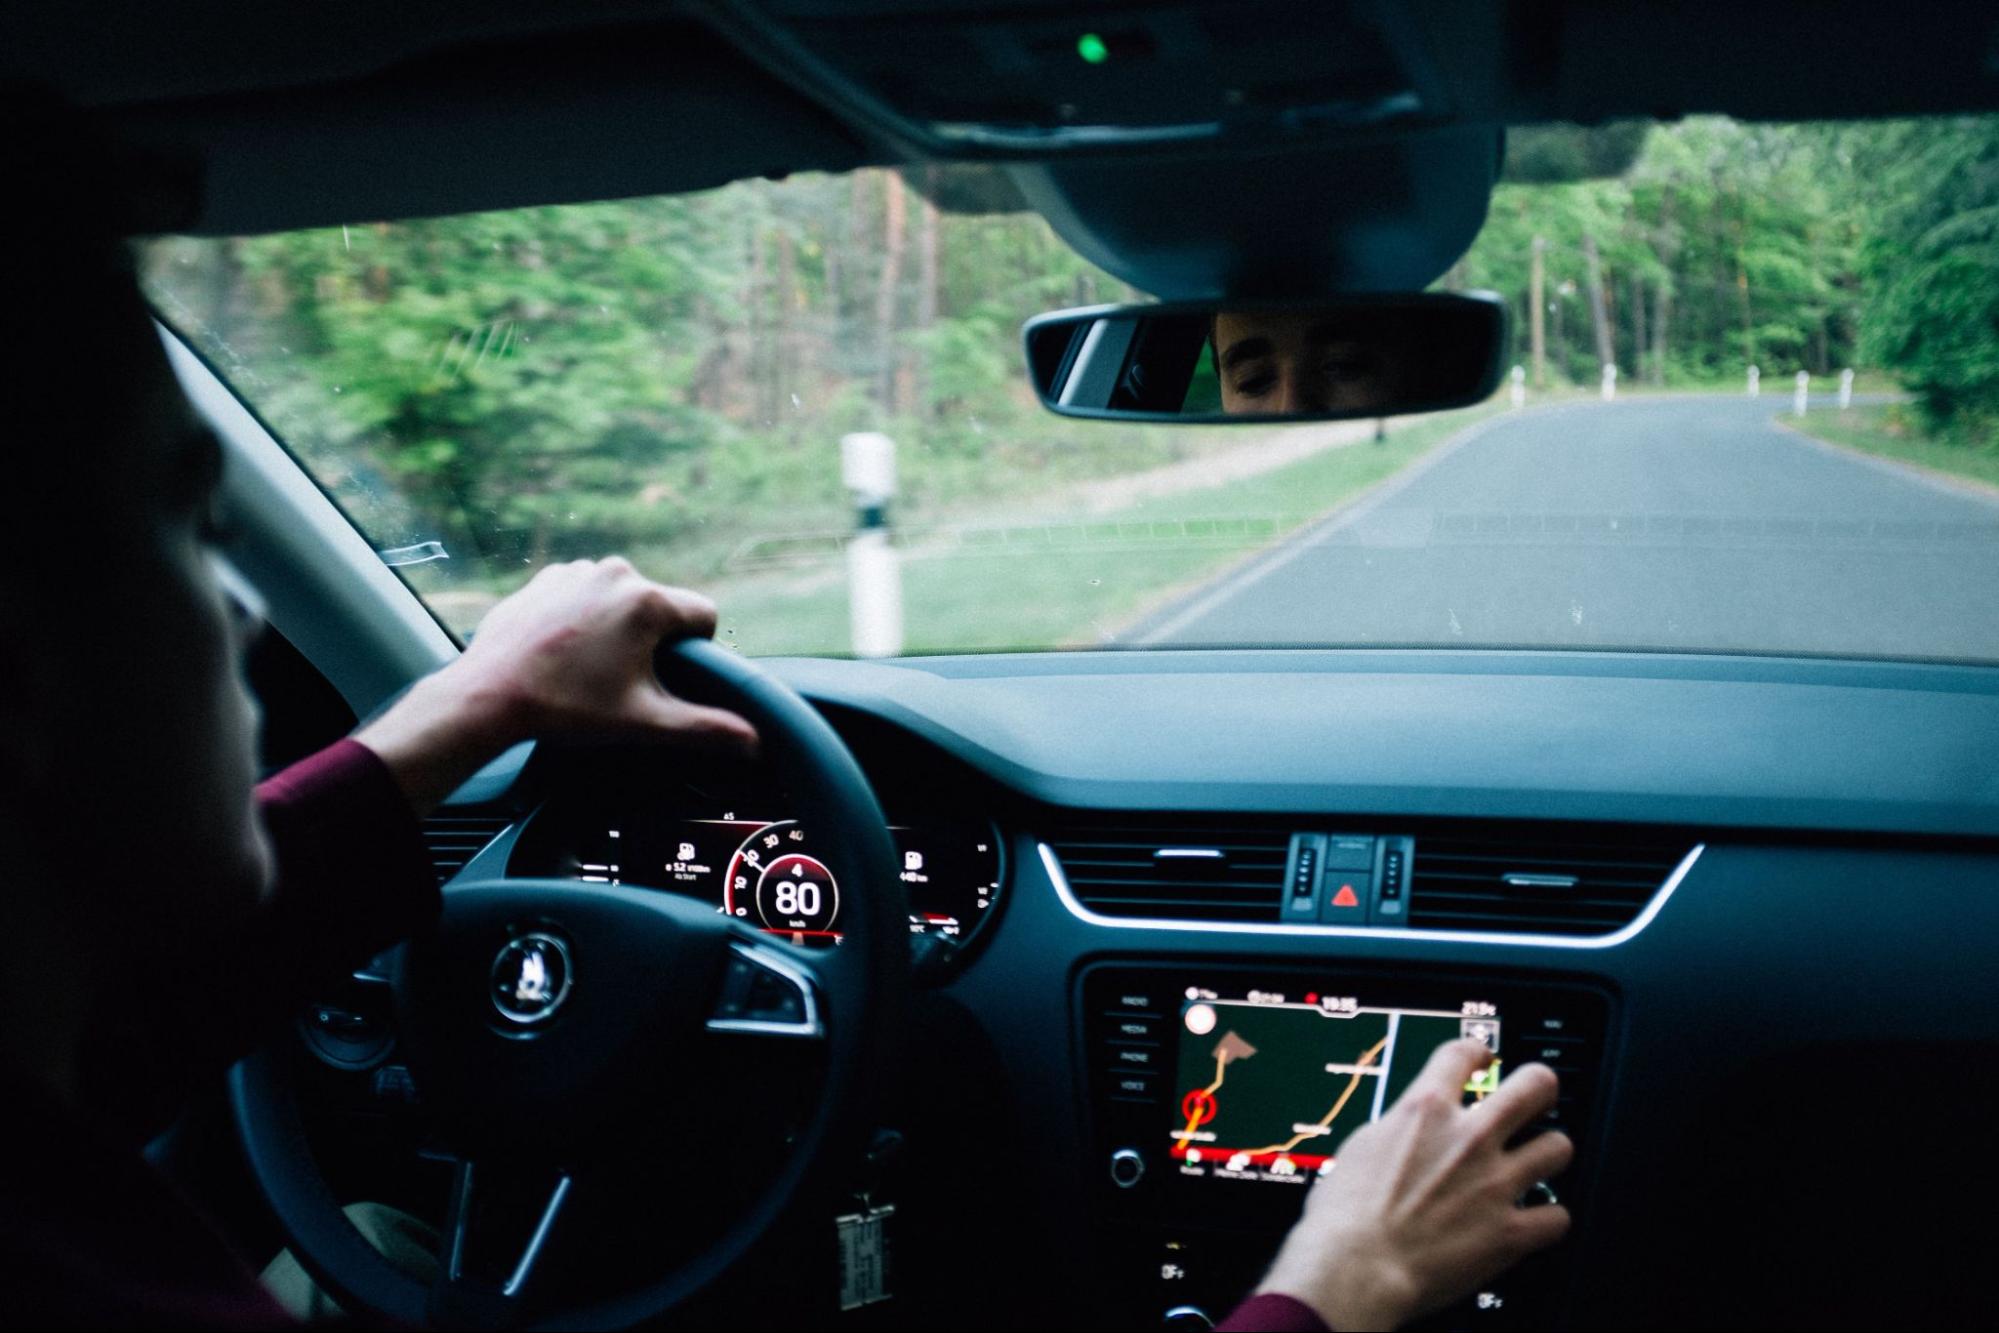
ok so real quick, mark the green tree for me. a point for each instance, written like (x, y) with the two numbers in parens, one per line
(1932, 303)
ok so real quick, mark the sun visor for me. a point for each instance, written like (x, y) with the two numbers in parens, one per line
(1390, 212)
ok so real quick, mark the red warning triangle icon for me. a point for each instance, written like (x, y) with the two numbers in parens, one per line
(1346, 897)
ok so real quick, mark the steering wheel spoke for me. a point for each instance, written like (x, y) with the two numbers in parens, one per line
(498, 1227)
(767, 990)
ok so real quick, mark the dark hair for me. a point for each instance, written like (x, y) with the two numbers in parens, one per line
(75, 335)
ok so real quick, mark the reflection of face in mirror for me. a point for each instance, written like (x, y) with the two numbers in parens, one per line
(1290, 363)
(1328, 358)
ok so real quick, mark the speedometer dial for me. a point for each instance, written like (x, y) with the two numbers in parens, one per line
(776, 882)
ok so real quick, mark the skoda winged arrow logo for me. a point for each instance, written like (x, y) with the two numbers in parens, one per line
(531, 978)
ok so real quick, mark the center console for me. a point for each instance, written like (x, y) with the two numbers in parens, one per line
(1218, 1093)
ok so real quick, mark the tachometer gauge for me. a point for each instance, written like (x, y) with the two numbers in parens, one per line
(777, 883)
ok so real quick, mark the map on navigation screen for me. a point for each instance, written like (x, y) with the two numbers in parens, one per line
(1270, 1085)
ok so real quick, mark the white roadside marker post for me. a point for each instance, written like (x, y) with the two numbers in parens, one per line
(1804, 383)
(1518, 393)
(1755, 382)
(1609, 389)
(1846, 388)
(874, 567)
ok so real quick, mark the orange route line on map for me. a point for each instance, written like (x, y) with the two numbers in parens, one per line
(1194, 1120)
(1353, 1081)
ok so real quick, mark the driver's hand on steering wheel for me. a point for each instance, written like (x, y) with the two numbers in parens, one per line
(568, 656)
(1423, 1204)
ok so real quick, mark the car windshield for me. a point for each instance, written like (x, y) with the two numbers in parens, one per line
(1753, 379)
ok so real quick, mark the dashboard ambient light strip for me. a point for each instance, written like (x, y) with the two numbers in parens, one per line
(1053, 865)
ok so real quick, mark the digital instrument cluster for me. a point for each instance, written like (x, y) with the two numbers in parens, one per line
(769, 873)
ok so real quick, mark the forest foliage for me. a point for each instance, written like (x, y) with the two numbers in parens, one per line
(672, 374)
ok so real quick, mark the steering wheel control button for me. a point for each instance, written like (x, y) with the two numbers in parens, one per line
(762, 992)
(346, 1038)
(394, 1084)
(1345, 894)
(531, 978)
(1127, 1168)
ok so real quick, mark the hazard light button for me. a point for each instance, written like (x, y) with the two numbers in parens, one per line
(1343, 898)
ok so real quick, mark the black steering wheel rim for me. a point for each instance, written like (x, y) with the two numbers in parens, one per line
(864, 983)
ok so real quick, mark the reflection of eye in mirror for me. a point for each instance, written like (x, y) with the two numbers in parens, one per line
(1296, 362)
(1339, 357)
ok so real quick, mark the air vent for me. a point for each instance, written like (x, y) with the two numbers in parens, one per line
(1182, 870)
(454, 840)
(1592, 883)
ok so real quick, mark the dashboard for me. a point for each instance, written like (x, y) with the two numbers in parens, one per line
(1744, 908)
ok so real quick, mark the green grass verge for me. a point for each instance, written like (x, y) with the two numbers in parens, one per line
(1064, 577)
(1891, 430)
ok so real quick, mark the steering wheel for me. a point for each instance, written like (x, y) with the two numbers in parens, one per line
(539, 1014)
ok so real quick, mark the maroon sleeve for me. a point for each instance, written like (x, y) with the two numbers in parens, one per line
(352, 878)
(1272, 1313)
(352, 873)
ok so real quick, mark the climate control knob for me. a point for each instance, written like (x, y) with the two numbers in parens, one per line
(1127, 1168)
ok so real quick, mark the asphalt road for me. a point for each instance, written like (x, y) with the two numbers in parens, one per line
(1671, 523)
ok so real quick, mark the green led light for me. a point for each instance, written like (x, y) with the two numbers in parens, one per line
(1091, 47)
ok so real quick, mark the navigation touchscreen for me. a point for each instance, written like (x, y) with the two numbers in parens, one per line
(1271, 1083)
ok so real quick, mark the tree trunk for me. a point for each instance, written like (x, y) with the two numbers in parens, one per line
(1742, 286)
(1599, 321)
(1662, 314)
(927, 300)
(1611, 307)
(857, 245)
(835, 282)
(895, 226)
(1667, 247)
(762, 392)
(1748, 326)
(926, 276)
(376, 281)
(1637, 324)
(1559, 338)
(1724, 278)
(784, 377)
(1537, 312)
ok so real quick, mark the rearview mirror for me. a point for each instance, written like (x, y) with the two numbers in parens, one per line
(1324, 360)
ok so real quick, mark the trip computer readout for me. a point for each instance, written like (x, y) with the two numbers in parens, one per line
(1271, 1083)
